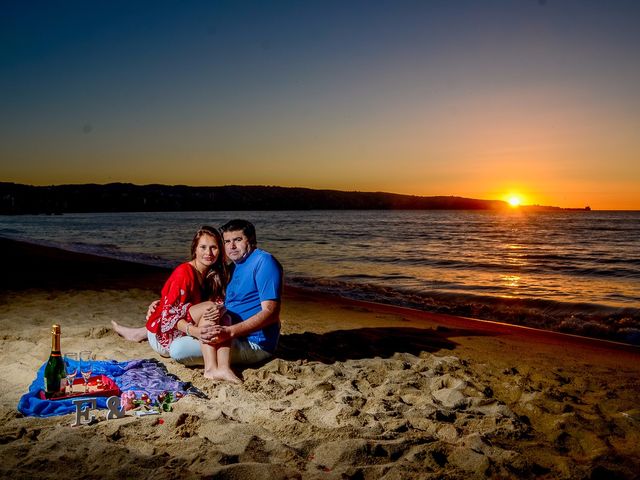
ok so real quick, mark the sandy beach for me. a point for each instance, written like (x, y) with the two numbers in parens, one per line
(356, 391)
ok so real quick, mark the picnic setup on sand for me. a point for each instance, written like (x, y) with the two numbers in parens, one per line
(143, 386)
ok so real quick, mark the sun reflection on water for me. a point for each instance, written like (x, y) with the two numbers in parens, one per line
(512, 281)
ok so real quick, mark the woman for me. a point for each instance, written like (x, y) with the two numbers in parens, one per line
(181, 312)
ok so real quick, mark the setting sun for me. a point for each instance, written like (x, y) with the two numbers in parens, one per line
(514, 200)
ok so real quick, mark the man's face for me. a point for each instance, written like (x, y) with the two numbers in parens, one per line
(236, 245)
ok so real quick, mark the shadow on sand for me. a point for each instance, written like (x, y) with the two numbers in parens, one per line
(341, 345)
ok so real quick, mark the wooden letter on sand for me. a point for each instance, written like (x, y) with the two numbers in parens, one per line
(113, 404)
(84, 412)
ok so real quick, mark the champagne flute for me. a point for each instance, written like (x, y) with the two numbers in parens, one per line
(86, 367)
(71, 368)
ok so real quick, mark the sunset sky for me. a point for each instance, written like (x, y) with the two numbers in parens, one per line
(481, 99)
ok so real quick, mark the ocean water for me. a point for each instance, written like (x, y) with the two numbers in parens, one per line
(563, 270)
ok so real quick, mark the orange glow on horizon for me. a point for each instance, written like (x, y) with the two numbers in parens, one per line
(514, 199)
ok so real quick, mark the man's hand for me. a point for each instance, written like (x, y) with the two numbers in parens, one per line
(152, 308)
(214, 334)
(221, 333)
(217, 332)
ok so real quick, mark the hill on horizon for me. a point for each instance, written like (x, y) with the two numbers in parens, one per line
(18, 198)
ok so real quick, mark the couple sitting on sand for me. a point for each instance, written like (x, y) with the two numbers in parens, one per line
(204, 316)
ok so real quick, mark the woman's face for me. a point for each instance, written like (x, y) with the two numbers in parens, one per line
(207, 251)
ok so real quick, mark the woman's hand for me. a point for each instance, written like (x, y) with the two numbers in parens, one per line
(194, 331)
(152, 308)
(214, 314)
(206, 331)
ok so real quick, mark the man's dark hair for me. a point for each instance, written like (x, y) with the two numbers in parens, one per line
(247, 228)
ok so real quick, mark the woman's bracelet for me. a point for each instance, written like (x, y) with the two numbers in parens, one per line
(188, 325)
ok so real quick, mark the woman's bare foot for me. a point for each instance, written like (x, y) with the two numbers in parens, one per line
(133, 334)
(224, 374)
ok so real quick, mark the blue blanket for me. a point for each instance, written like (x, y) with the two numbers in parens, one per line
(142, 376)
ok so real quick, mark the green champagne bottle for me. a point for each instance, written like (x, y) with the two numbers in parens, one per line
(54, 372)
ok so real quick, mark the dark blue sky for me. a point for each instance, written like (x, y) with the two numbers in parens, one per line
(472, 98)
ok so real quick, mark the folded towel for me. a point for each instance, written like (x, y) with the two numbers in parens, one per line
(147, 376)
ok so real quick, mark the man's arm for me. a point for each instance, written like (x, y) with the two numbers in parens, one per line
(269, 314)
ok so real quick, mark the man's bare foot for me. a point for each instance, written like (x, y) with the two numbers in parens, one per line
(224, 374)
(133, 334)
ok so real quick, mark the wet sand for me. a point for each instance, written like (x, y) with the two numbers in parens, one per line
(358, 390)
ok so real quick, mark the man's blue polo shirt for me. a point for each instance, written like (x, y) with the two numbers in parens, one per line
(256, 279)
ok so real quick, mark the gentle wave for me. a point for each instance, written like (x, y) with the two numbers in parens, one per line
(554, 264)
(588, 319)
(100, 250)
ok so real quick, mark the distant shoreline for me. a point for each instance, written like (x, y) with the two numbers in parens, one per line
(18, 199)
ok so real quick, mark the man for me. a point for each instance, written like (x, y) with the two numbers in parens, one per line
(252, 299)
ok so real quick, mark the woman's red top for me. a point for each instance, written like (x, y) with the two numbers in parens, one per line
(180, 291)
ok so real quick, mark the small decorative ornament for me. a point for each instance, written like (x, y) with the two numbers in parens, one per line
(84, 412)
(118, 406)
(115, 411)
(85, 405)
(127, 400)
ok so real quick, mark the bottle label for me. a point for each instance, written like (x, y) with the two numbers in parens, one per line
(51, 388)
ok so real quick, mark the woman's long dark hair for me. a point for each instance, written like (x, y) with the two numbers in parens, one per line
(217, 278)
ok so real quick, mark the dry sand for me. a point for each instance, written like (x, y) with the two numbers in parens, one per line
(358, 391)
